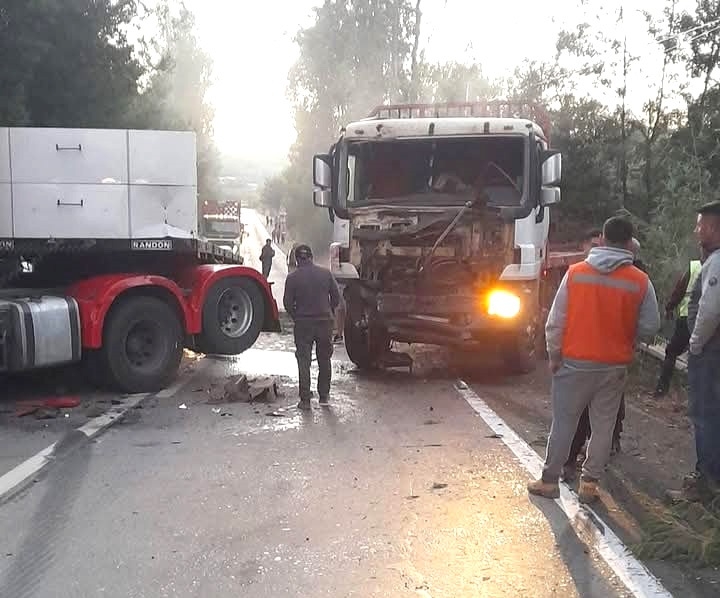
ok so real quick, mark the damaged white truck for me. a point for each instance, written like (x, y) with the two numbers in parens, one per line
(447, 243)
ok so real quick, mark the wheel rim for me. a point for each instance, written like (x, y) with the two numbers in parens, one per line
(235, 312)
(145, 345)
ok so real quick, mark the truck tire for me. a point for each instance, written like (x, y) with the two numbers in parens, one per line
(364, 349)
(142, 344)
(520, 355)
(232, 317)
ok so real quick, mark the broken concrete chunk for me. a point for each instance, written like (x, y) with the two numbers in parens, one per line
(241, 389)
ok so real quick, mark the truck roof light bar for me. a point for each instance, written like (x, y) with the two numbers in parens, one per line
(490, 109)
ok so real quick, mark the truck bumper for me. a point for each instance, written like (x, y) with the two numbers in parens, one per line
(448, 320)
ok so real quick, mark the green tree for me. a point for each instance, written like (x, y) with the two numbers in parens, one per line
(67, 64)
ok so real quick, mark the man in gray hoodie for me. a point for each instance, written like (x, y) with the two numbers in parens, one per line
(603, 307)
(704, 362)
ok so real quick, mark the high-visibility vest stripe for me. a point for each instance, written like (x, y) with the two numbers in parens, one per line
(695, 269)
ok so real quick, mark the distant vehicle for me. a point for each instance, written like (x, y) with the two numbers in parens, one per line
(447, 209)
(220, 223)
(100, 258)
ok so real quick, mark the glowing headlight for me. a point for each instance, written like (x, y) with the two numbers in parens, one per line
(503, 304)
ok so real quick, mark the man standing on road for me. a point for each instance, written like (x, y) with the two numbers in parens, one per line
(582, 434)
(680, 300)
(311, 298)
(266, 257)
(601, 308)
(704, 362)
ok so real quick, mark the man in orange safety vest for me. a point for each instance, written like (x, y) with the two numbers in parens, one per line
(603, 307)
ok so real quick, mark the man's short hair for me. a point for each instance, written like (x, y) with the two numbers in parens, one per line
(712, 209)
(303, 252)
(618, 231)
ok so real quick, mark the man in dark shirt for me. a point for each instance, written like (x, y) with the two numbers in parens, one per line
(678, 344)
(311, 298)
(266, 257)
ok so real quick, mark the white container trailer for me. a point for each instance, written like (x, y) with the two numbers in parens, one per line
(99, 257)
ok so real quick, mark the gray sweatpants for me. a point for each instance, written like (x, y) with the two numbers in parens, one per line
(572, 391)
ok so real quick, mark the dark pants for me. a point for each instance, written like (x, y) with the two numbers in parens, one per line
(704, 410)
(307, 333)
(266, 268)
(677, 346)
(582, 434)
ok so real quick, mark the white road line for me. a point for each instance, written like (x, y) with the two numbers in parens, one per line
(21, 476)
(631, 572)
(15, 479)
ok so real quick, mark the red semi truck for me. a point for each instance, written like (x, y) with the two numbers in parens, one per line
(100, 259)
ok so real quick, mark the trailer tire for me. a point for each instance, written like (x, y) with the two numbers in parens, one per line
(142, 344)
(232, 317)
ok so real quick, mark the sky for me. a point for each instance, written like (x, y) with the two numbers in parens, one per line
(251, 44)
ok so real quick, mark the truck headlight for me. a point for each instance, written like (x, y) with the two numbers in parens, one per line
(503, 304)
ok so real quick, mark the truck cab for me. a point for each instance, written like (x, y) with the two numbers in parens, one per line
(447, 211)
(220, 224)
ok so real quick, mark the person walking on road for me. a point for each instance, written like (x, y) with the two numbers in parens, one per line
(266, 257)
(604, 304)
(311, 298)
(678, 344)
(704, 362)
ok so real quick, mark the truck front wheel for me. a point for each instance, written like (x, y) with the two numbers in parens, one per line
(232, 317)
(142, 345)
(520, 354)
(365, 345)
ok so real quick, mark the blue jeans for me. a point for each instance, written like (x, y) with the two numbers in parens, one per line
(704, 411)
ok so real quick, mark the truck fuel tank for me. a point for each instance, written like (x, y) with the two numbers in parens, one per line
(38, 331)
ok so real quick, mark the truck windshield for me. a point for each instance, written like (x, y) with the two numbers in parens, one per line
(435, 171)
(222, 228)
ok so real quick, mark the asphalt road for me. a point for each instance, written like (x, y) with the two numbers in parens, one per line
(399, 488)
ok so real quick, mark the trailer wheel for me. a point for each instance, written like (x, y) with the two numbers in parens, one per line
(232, 317)
(143, 344)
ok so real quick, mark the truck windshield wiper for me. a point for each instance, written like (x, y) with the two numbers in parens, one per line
(469, 204)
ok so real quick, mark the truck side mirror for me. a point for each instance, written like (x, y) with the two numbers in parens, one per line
(549, 196)
(322, 198)
(551, 168)
(322, 171)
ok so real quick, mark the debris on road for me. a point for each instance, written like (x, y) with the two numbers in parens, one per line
(94, 411)
(24, 408)
(46, 413)
(241, 389)
(439, 486)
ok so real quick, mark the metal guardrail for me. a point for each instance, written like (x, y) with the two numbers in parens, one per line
(657, 350)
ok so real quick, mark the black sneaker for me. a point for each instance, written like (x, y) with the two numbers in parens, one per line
(304, 405)
(324, 400)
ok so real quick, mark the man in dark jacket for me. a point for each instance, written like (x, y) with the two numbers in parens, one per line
(678, 344)
(266, 257)
(311, 298)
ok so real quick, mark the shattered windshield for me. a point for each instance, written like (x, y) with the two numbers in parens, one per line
(487, 168)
